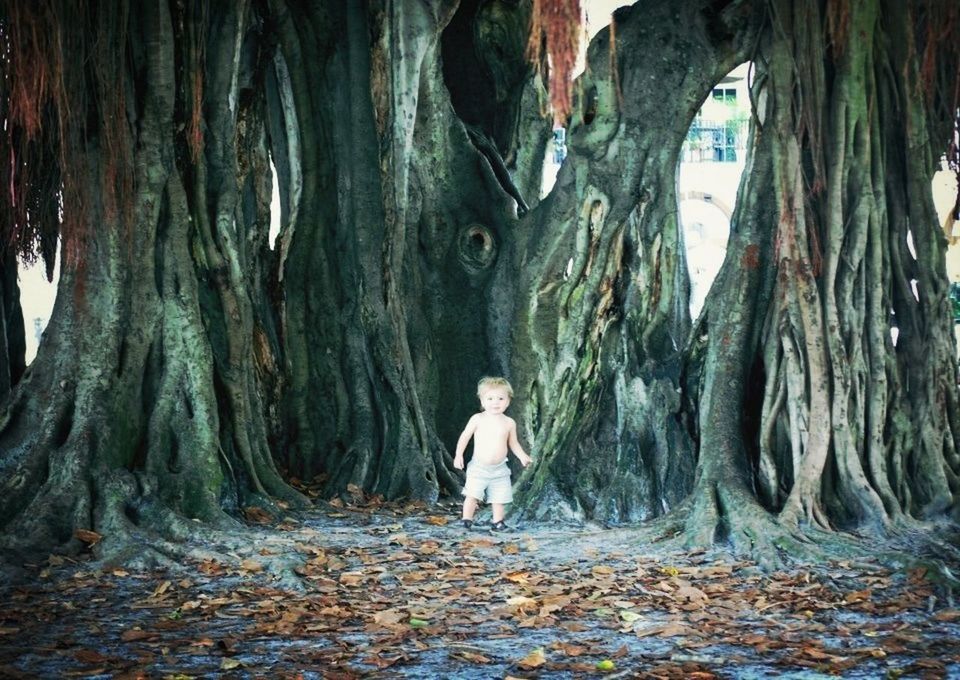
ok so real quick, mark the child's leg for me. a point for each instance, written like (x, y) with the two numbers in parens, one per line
(498, 512)
(469, 507)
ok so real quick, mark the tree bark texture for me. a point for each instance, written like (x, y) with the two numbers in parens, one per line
(389, 237)
(12, 336)
(190, 364)
(140, 412)
(601, 301)
(853, 430)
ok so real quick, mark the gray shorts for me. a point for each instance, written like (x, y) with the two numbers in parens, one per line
(489, 483)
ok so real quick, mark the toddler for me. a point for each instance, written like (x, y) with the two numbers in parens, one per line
(494, 434)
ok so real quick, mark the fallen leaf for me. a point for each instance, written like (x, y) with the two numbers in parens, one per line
(690, 593)
(533, 659)
(663, 630)
(857, 596)
(518, 577)
(351, 578)
(91, 538)
(817, 655)
(161, 589)
(389, 617)
(472, 657)
(257, 515)
(134, 634)
(251, 565)
(569, 649)
(522, 601)
(90, 656)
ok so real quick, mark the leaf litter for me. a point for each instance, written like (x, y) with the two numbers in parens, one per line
(391, 590)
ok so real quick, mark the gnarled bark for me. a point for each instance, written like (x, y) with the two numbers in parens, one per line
(139, 413)
(601, 315)
(854, 433)
(184, 354)
(392, 239)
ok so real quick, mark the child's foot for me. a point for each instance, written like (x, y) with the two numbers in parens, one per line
(499, 526)
(467, 524)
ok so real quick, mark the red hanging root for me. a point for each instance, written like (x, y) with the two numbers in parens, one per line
(196, 31)
(50, 55)
(558, 25)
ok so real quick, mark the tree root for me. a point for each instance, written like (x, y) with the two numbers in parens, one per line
(731, 517)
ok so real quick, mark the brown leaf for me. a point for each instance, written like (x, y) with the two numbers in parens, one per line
(436, 520)
(663, 630)
(161, 589)
(382, 662)
(858, 596)
(817, 655)
(257, 515)
(522, 602)
(570, 649)
(520, 577)
(91, 538)
(390, 617)
(134, 634)
(351, 578)
(90, 656)
(533, 659)
(472, 657)
(690, 593)
(251, 566)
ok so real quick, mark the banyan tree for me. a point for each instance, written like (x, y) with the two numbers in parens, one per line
(193, 365)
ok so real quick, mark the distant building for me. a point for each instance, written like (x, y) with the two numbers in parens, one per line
(719, 131)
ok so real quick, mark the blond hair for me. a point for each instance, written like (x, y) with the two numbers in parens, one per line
(489, 382)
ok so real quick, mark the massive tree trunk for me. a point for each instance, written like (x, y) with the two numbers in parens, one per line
(185, 355)
(798, 408)
(602, 320)
(847, 429)
(140, 412)
(391, 228)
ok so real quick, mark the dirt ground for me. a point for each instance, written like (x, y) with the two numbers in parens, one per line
(405, 591)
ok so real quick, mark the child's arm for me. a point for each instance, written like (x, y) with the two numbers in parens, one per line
(514, 444)
(463, 441)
